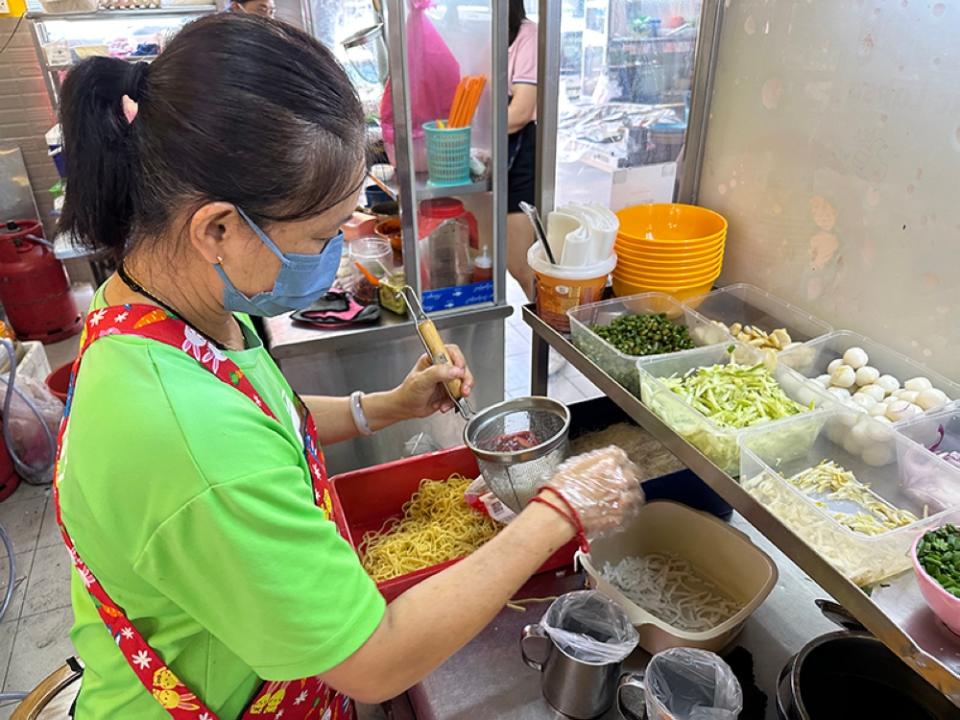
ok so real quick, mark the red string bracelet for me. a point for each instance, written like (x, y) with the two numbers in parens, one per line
(573, 516)
(559, 511)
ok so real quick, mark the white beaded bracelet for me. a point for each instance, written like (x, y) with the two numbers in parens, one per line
(359, 417)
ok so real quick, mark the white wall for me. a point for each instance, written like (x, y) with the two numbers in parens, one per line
(834, 151)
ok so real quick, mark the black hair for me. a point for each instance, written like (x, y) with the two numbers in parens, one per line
(518, 13)
(237, 108)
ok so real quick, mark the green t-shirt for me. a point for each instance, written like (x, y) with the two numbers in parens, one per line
(195, 511)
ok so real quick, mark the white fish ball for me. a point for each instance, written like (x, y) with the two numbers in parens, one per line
(879, 410)
(889, 383)
(867, 375)
(878, 454)
(856, 358)
(844, 376)
(874, 391)
(834, 364)
(918, 384)
(931, 399)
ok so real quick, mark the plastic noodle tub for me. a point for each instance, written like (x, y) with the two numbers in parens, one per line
(364, 500)
(864, 559)
(618, 365)
(719, 553)
(749, 305)
(721, 444)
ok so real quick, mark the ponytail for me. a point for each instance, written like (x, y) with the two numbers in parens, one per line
(99, 146)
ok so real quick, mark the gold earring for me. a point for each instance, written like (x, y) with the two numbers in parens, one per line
(219, 260)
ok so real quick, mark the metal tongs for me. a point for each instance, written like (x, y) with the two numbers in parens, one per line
(436, 349)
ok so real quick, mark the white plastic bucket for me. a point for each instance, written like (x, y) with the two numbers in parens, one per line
(560, 288)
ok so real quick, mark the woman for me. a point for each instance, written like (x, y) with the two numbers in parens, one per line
(522, 141)
(210, 581)
(265, 8)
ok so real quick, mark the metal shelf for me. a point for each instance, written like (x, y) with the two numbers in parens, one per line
(425, 191)
(894, 612)
(136, 13)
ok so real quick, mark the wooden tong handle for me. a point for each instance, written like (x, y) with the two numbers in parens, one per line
(438, 354)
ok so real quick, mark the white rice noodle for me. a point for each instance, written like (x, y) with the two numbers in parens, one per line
(671, 589)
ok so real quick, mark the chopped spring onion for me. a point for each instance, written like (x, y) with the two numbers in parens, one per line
(671, 589)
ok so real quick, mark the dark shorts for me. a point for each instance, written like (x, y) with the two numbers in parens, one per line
(522, 167)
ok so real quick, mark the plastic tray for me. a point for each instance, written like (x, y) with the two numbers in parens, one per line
(749, 305)
(886, 360)
(364, 500)
(618, 365)
(723, 555)
(718, 443)
(864, 559)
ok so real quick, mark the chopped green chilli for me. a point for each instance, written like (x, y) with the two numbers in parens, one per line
(645, 335)
(735, 396)
(939, 554)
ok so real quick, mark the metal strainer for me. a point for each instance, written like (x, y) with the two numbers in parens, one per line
(518, 445)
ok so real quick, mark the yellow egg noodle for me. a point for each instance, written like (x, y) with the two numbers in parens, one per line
(437, 526)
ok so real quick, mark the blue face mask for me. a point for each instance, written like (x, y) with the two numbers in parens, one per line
(302, 280)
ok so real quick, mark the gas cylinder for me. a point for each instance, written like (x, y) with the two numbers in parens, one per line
(9, 480)
(34, 288)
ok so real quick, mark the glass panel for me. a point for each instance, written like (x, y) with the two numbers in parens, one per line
(625, 80)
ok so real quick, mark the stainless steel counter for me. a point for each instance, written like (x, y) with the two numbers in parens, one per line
(289, 340)
(487, 679)
(894, 612)
(376, 358)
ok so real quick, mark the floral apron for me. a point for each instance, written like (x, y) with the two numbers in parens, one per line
(306, 699)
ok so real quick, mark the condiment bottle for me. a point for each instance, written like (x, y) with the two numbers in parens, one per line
(483, 267)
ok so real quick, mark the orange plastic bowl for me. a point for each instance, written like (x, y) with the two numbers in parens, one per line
(670, 247)
(670, 222)
(671, 255)
(668, 279)
(622, 289)
(679, 266)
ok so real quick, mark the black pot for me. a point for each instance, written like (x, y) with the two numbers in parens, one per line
(846, 675)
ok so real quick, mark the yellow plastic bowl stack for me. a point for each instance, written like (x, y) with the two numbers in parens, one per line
(669, 248)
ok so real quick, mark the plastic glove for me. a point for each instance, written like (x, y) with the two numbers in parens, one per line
(602, 488)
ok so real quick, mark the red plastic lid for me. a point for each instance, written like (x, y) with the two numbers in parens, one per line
(441, 208)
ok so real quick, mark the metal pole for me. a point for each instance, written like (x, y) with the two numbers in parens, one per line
(395, 19)
(499, 12)
(708, 46)
(548, 96)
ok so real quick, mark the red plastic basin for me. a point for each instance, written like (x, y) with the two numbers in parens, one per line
(364, 500)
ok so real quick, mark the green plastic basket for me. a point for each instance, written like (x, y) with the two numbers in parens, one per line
(448, 154)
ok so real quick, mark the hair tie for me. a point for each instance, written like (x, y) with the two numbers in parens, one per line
(137, 80)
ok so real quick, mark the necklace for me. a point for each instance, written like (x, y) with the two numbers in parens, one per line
(141, 290)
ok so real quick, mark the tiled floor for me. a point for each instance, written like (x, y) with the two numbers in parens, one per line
(34, 634)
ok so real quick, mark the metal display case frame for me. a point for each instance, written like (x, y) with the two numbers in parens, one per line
(41, 35)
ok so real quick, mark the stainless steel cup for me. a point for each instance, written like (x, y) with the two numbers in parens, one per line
(577, 689)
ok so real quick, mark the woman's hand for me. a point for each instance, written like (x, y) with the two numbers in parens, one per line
(602, 487)
(422, 393)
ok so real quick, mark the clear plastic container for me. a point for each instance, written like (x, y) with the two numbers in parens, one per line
(749, 305)
(864, 559)
(618, 365)
(940, 431)
(812, 360)
(721, 444)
